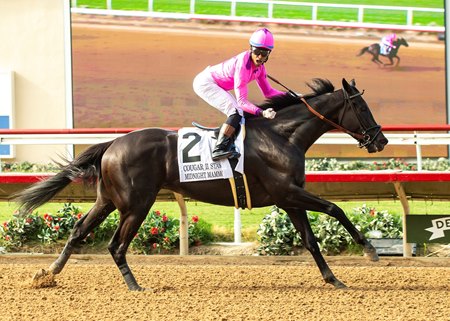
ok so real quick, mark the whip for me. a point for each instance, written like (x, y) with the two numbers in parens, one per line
(293, 93)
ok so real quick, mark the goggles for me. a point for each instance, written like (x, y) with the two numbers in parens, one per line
(260, 51)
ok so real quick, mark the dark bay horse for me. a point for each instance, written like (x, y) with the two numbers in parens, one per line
(374, 50)
(131, 169)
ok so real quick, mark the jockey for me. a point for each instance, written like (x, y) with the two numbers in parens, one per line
(387, 43)
(214, 83)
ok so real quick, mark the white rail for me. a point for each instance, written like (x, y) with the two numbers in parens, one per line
(314, 20)
(416, 139)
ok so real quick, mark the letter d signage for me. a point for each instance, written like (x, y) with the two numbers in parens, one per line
(428, 228)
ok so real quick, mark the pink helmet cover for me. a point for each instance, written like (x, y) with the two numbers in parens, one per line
(262, 38)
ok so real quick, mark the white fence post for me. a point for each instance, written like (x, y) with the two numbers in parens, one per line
(237, 226)
(233, 8)
(192, 7)
(361, 14)
(150, 5)
(409, 17)
(109, 4)
(314, 12)
(418, 152)
(270, 10)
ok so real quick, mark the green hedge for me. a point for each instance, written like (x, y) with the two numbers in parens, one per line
(277, 235)
(157, 233)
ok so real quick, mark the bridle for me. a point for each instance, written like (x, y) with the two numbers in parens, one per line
(364, 138)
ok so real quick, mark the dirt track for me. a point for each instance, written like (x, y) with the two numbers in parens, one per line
(139, 73)
(228, 288)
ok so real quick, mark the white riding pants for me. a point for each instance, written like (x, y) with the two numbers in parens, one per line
(205, 87)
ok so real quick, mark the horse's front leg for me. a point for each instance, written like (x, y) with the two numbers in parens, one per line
(302, 225)
(308, 201)
(391, 61)
(369, 251)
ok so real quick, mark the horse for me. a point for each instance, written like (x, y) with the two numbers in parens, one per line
(130, 170)
(374, 50)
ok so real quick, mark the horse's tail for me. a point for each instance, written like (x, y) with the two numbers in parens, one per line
(85, 167)
(363, 50)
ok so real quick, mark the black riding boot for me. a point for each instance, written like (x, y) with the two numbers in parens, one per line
(225, 147)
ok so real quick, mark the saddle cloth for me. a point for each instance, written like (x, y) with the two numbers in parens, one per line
(384, 49)
(195, 163)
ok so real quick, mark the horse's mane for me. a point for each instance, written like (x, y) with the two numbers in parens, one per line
(319, 87)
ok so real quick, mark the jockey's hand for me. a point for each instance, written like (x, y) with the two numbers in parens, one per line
(269, 113)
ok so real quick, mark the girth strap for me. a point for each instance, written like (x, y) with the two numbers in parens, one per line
(239, 188)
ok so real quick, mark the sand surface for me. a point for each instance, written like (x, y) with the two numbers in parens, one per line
(227, 288)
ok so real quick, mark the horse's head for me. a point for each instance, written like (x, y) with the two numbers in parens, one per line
(401, 41)
(357, 118)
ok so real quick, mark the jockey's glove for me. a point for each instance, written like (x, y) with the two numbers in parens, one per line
(269, 113)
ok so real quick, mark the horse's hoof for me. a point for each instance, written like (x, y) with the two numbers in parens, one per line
(141, 289)
(43, 279)
(371, 255)
(337, 284)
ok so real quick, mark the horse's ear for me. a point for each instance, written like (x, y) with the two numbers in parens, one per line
(353, 82)
(345, 84)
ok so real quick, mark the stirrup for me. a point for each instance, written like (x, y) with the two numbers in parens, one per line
(221, 155)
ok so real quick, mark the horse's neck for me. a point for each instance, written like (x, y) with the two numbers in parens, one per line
(301, 127)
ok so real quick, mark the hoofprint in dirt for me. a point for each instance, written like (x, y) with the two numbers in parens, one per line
(227, 288)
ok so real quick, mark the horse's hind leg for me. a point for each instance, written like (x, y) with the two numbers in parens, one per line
(131, 218)
(301, 223)
(96, 215)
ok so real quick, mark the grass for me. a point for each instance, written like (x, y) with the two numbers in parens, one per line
(288, 11)
(222, 217)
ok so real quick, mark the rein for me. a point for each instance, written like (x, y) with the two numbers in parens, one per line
(364, 139)
(332, 123)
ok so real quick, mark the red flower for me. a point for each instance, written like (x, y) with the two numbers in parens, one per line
(154, 230)
(372, 212)
(165, 218)
(56, 228)
(48, 217)
(157, 213)
(29, 220)
(7, 238)
(195, 218)
(79, 215)
(5, 224)
(155, 245)
(166, 239)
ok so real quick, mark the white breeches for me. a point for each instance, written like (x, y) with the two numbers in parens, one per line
(205, 86)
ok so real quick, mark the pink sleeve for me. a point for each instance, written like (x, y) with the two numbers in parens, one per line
(241, 80)
(264, 85)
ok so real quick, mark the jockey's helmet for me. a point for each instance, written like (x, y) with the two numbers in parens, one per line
(262, 38)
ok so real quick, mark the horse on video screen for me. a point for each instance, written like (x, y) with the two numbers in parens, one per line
(374, 50)
(132, 169)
